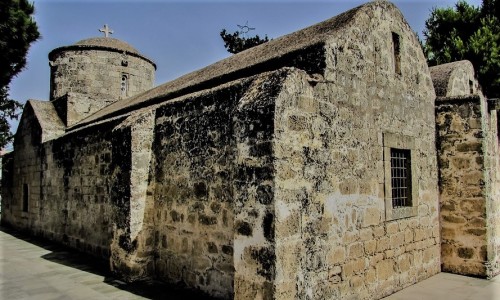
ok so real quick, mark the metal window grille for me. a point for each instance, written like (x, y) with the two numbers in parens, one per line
(401, 178)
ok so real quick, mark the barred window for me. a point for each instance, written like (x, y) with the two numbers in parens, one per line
(401, 178)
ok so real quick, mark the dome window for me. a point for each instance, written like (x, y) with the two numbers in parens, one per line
(124, 85)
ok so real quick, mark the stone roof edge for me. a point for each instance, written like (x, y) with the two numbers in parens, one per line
(451, 65)
(457, 99)
(203, 85)
(103, 48)
(34, 105)
(184, 97)
(162, 92)
(42, 119)
(265, 57)
(72, 130)
(79, 127)
(441, 74)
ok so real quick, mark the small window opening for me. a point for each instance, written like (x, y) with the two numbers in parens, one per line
(124, 85)
(397, 52)
(401, 178)
(25, 197)
(471, 87)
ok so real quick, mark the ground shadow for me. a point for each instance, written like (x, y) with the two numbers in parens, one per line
(151, 289)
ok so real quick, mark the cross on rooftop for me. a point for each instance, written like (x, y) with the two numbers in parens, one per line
(245, 28)
(106, 30)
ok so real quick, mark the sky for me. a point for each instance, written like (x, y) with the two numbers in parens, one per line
(179, 36)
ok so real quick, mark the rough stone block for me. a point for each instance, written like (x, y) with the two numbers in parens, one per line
(385, 269)
(371, 216)
(370, 247)
(336, 256)
(353, 267)
(355, 250)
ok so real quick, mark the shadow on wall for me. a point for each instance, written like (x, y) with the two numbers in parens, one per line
(86, 263)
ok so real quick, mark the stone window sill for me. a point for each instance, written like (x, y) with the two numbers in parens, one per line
(403, 212)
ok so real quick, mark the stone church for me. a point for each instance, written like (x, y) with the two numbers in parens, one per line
(329, 163)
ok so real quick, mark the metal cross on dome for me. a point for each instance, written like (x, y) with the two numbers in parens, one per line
(106, 30)
(245, 28)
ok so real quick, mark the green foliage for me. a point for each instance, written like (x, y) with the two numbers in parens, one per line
(467, 32)
(8, 110)
(17, 32)
(234, 43)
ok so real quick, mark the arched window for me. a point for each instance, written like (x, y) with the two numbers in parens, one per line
(396, 44)
(124, 85)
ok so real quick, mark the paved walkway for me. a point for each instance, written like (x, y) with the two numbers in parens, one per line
(451, 286)
(34, 269)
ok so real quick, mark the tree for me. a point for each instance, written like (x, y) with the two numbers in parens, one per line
(467, 32)
(17, 31)
(234, 42)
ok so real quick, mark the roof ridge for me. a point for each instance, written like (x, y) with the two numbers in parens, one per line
(272, 55)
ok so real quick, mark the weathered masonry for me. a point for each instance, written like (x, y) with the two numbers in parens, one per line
(469, 172)
(304, 168)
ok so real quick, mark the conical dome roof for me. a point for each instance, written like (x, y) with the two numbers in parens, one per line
(102, 43)
(107, 42)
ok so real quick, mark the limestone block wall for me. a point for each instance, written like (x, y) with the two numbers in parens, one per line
(463, 205)
(88, 175)
(468, 161)
(255, 255)
(337, 235)
(213, 209)
(492, 163)
(78, 186)
(7, 185)
(21, 175)
(132, 249)
(492, 184)
(193, 168)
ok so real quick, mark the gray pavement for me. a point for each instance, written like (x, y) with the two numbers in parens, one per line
(35, 269)
(452, 287)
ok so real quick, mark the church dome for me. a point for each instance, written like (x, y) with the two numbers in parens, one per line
(96, 72)
(101, 43)
(107, 42)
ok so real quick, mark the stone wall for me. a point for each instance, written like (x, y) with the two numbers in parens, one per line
(132, 249)
(213, 189)
(469, 185)
(255, 255)
(337, 236)
(463, 203)
(492, 184)
(469, 166)
(77, 186)
(21, 177)
(193, 217)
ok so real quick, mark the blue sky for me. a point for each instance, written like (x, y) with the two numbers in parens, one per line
(180, 36)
